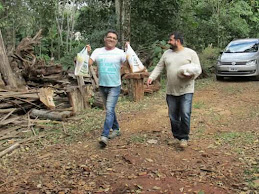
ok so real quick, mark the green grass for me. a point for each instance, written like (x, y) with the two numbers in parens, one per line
(236, 138)
(204, 83)
(198, 105)
(250, 174)
(199, 132)
(138, 138)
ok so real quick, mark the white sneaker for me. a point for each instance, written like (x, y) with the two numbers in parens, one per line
(183, 143)
(114, 134)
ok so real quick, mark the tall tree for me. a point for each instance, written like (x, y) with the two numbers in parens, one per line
(5, 69)
(123, 9)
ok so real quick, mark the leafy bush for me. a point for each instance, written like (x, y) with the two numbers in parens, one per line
(158, 48)
(208, 58)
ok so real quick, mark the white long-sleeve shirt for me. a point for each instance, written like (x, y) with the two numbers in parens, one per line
(172, 61)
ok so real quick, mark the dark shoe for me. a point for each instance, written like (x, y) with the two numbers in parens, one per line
(103, 141)
(114, 134)
(183, 143)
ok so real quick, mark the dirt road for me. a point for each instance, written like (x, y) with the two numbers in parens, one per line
(222, 156)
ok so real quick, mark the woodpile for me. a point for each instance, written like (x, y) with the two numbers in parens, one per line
(33, 92)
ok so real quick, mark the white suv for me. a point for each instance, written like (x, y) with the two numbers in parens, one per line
(240, 58)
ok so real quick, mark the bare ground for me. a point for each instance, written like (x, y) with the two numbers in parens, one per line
(222, 156)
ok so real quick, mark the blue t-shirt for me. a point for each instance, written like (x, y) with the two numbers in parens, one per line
(109, 64)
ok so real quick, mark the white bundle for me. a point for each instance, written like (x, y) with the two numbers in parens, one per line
(133, 60)
(82, 63)
(189, 70)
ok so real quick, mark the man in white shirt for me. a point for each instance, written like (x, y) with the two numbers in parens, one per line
(109, 60)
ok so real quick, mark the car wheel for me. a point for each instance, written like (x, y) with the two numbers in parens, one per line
(219, 78)
(257, 78)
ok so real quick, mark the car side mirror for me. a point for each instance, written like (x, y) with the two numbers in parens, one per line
(221, 52)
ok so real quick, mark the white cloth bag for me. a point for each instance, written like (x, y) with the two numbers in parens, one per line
(82, 63)
(189, 69)
(133, 60)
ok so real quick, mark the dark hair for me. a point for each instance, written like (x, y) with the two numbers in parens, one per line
(112, 31)
(177, 36)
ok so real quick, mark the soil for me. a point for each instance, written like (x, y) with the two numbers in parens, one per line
(222, 156)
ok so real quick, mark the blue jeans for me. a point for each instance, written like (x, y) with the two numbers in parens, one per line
(110, 97)
(179, 110)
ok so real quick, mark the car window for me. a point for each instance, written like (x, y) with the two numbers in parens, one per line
(242, 47)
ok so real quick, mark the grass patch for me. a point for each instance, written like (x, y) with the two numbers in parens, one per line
(198, 105)
(238, 139)
(251, 175)
(199, 132)
(138, 138)
(204, 83)
(231, 90)
(74, 129)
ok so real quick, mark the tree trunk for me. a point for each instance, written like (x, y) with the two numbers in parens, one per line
(123, 8)
(5, 68)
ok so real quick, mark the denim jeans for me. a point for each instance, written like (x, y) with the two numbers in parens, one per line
(179, 110)
(110, 97)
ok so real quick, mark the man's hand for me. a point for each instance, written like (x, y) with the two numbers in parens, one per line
(149, 81)
(126, 45)
(88, 48)
(187, 76)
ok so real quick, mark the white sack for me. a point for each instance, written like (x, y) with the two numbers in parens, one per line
(82, 63)
(188, 70)
(133, 60)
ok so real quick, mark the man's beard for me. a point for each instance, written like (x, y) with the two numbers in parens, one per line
(173, 47)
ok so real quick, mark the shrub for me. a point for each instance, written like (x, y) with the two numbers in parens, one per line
(208, 59)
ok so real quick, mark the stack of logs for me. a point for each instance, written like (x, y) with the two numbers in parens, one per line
(32, 91)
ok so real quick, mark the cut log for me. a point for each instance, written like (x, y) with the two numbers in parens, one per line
(81, 86)
(136, 89)
(98, 101)
(136, 85)
(152, 88)
(47, 70)
(136, 75)
(46, 114)
(76, 99)
(32, 95)
(46, 97)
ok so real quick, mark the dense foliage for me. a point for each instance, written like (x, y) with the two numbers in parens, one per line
(207, 24)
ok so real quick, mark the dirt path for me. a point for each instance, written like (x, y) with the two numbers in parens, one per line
(222, 156)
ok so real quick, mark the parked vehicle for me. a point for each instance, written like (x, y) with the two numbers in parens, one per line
(239, 58)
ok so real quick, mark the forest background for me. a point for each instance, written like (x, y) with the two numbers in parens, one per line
(68, 25)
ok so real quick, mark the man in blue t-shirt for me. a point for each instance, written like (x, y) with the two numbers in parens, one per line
(109, 60)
